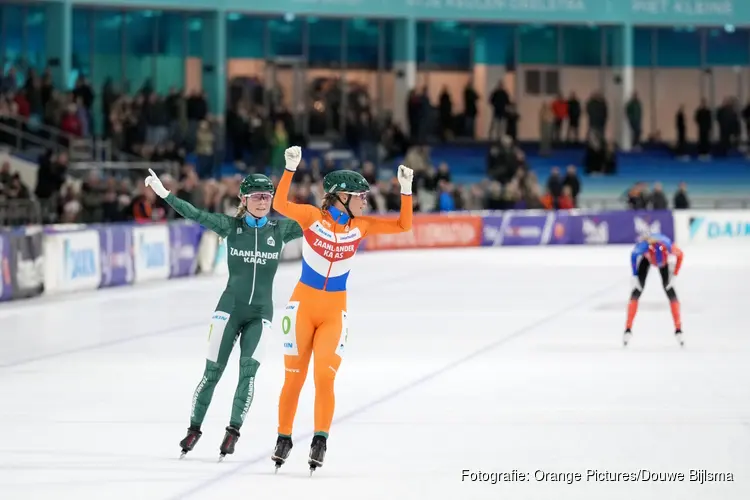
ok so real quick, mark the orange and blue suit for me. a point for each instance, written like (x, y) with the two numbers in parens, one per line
(315, 319)
(655, 251)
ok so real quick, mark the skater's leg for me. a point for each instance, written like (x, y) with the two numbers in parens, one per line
(222, 335)
(643, 268)
(250, 359)
(328, 346)
(298, 332)
(674, 303)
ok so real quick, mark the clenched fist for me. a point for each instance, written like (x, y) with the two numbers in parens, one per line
(405, 178)
(292, 155)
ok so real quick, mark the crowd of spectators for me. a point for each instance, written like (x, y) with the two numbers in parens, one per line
(258, 128)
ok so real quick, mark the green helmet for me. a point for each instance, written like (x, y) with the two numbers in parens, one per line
(256, 183)
(345, 181)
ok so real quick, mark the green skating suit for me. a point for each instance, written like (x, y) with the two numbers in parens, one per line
(245, 309)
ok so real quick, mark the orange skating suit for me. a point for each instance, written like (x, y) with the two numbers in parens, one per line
(315, 319)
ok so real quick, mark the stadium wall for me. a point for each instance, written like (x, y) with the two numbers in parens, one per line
(60, 259)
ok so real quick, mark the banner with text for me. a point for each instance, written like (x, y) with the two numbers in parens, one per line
(71, 261)
(151, 246)
(573, 228)
(184, 240)
(726, 227)
(432, 231)
(116, 249)
(6, 283)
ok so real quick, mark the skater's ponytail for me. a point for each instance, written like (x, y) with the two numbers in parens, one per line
(241, 210)
(328, 201)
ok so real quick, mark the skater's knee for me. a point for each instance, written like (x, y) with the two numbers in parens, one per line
(213, 372)
(671, 294)
(248, 367)
(635, 294)
(325, 374)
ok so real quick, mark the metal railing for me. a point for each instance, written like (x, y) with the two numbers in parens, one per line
(22, 133)
(14, 212)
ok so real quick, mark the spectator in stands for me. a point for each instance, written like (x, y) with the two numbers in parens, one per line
(279, 143)
(499, 100)
(681, 200)
(597, 112)
(112, 206)
(574, 118)
(92, 198)
(156, 117)
(70, 207)
(573, 182)
(470, 109)
(728, 119)
(15, 189)
(204, 149)
(5, 173)
(681, 126)
(546, 129)
(595, 156)
(555, 183)
(70, 123)
(560, 110)
(657, 199)
(446, 115)
(634, 114)
(143, 208)
(638, 197)
(704, 121)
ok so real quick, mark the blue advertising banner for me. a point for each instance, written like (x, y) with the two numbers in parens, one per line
(118, 267)
(6, 284)
(184, 240)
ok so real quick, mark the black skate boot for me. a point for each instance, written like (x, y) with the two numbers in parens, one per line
(626, 337)
(678, 336)
(187, 444)
(230, 439)
(317, 453)
(281, 453)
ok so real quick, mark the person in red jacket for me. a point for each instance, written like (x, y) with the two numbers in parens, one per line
(70, 122)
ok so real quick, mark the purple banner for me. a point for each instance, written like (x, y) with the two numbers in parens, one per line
(622, 227)
(525, 228)
(565, 228)
(116, 243)
(184, 240)
(6, 283)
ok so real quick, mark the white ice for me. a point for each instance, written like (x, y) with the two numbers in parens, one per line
(486, 359)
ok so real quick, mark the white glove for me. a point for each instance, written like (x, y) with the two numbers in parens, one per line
(154, 183)
(292, 156)
(405, 177)
(636, 283)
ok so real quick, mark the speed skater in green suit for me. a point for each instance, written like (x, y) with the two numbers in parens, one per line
(245, 309)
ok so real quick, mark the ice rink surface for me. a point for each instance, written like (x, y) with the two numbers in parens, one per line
(489, 360)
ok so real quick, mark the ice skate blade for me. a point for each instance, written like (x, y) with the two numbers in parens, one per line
(182, 455)
(222, 457)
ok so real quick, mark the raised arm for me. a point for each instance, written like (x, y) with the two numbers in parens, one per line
(305, 215)
(381, 225)
(221, 224)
